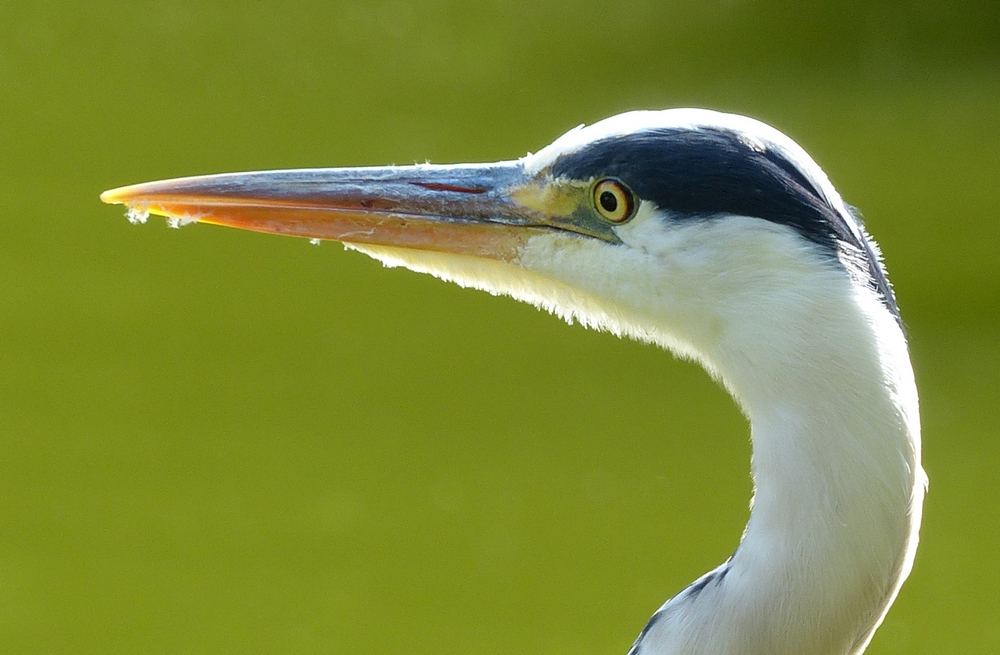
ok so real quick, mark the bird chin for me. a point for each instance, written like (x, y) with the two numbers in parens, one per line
(516, 279)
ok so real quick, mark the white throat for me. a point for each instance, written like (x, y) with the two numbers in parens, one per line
(819, 367)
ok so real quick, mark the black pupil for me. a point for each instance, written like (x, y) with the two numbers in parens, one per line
(609, 202)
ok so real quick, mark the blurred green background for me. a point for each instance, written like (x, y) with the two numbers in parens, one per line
(222, 442)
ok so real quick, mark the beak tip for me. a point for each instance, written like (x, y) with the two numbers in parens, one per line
(127, 195)
(113, 196)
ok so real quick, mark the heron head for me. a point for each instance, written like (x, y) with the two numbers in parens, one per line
(669, 226)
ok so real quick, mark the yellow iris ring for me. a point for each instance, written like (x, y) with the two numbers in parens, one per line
(613, 201)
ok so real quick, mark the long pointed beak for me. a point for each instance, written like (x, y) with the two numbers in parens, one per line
(485, 210)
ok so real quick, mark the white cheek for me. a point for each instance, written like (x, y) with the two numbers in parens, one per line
(628, 289)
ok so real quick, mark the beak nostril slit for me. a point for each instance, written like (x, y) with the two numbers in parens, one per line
(434, 186)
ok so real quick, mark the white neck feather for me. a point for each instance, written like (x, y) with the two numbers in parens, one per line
(820, 368)
(838, 492)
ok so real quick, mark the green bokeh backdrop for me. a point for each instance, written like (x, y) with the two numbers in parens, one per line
(221, 442)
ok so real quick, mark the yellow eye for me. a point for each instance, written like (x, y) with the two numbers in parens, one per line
(613, 201)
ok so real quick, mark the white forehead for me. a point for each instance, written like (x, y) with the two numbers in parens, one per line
(751, 131)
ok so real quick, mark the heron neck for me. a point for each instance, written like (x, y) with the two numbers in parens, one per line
(837, 494)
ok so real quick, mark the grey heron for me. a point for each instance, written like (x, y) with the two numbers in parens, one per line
(714, 236)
